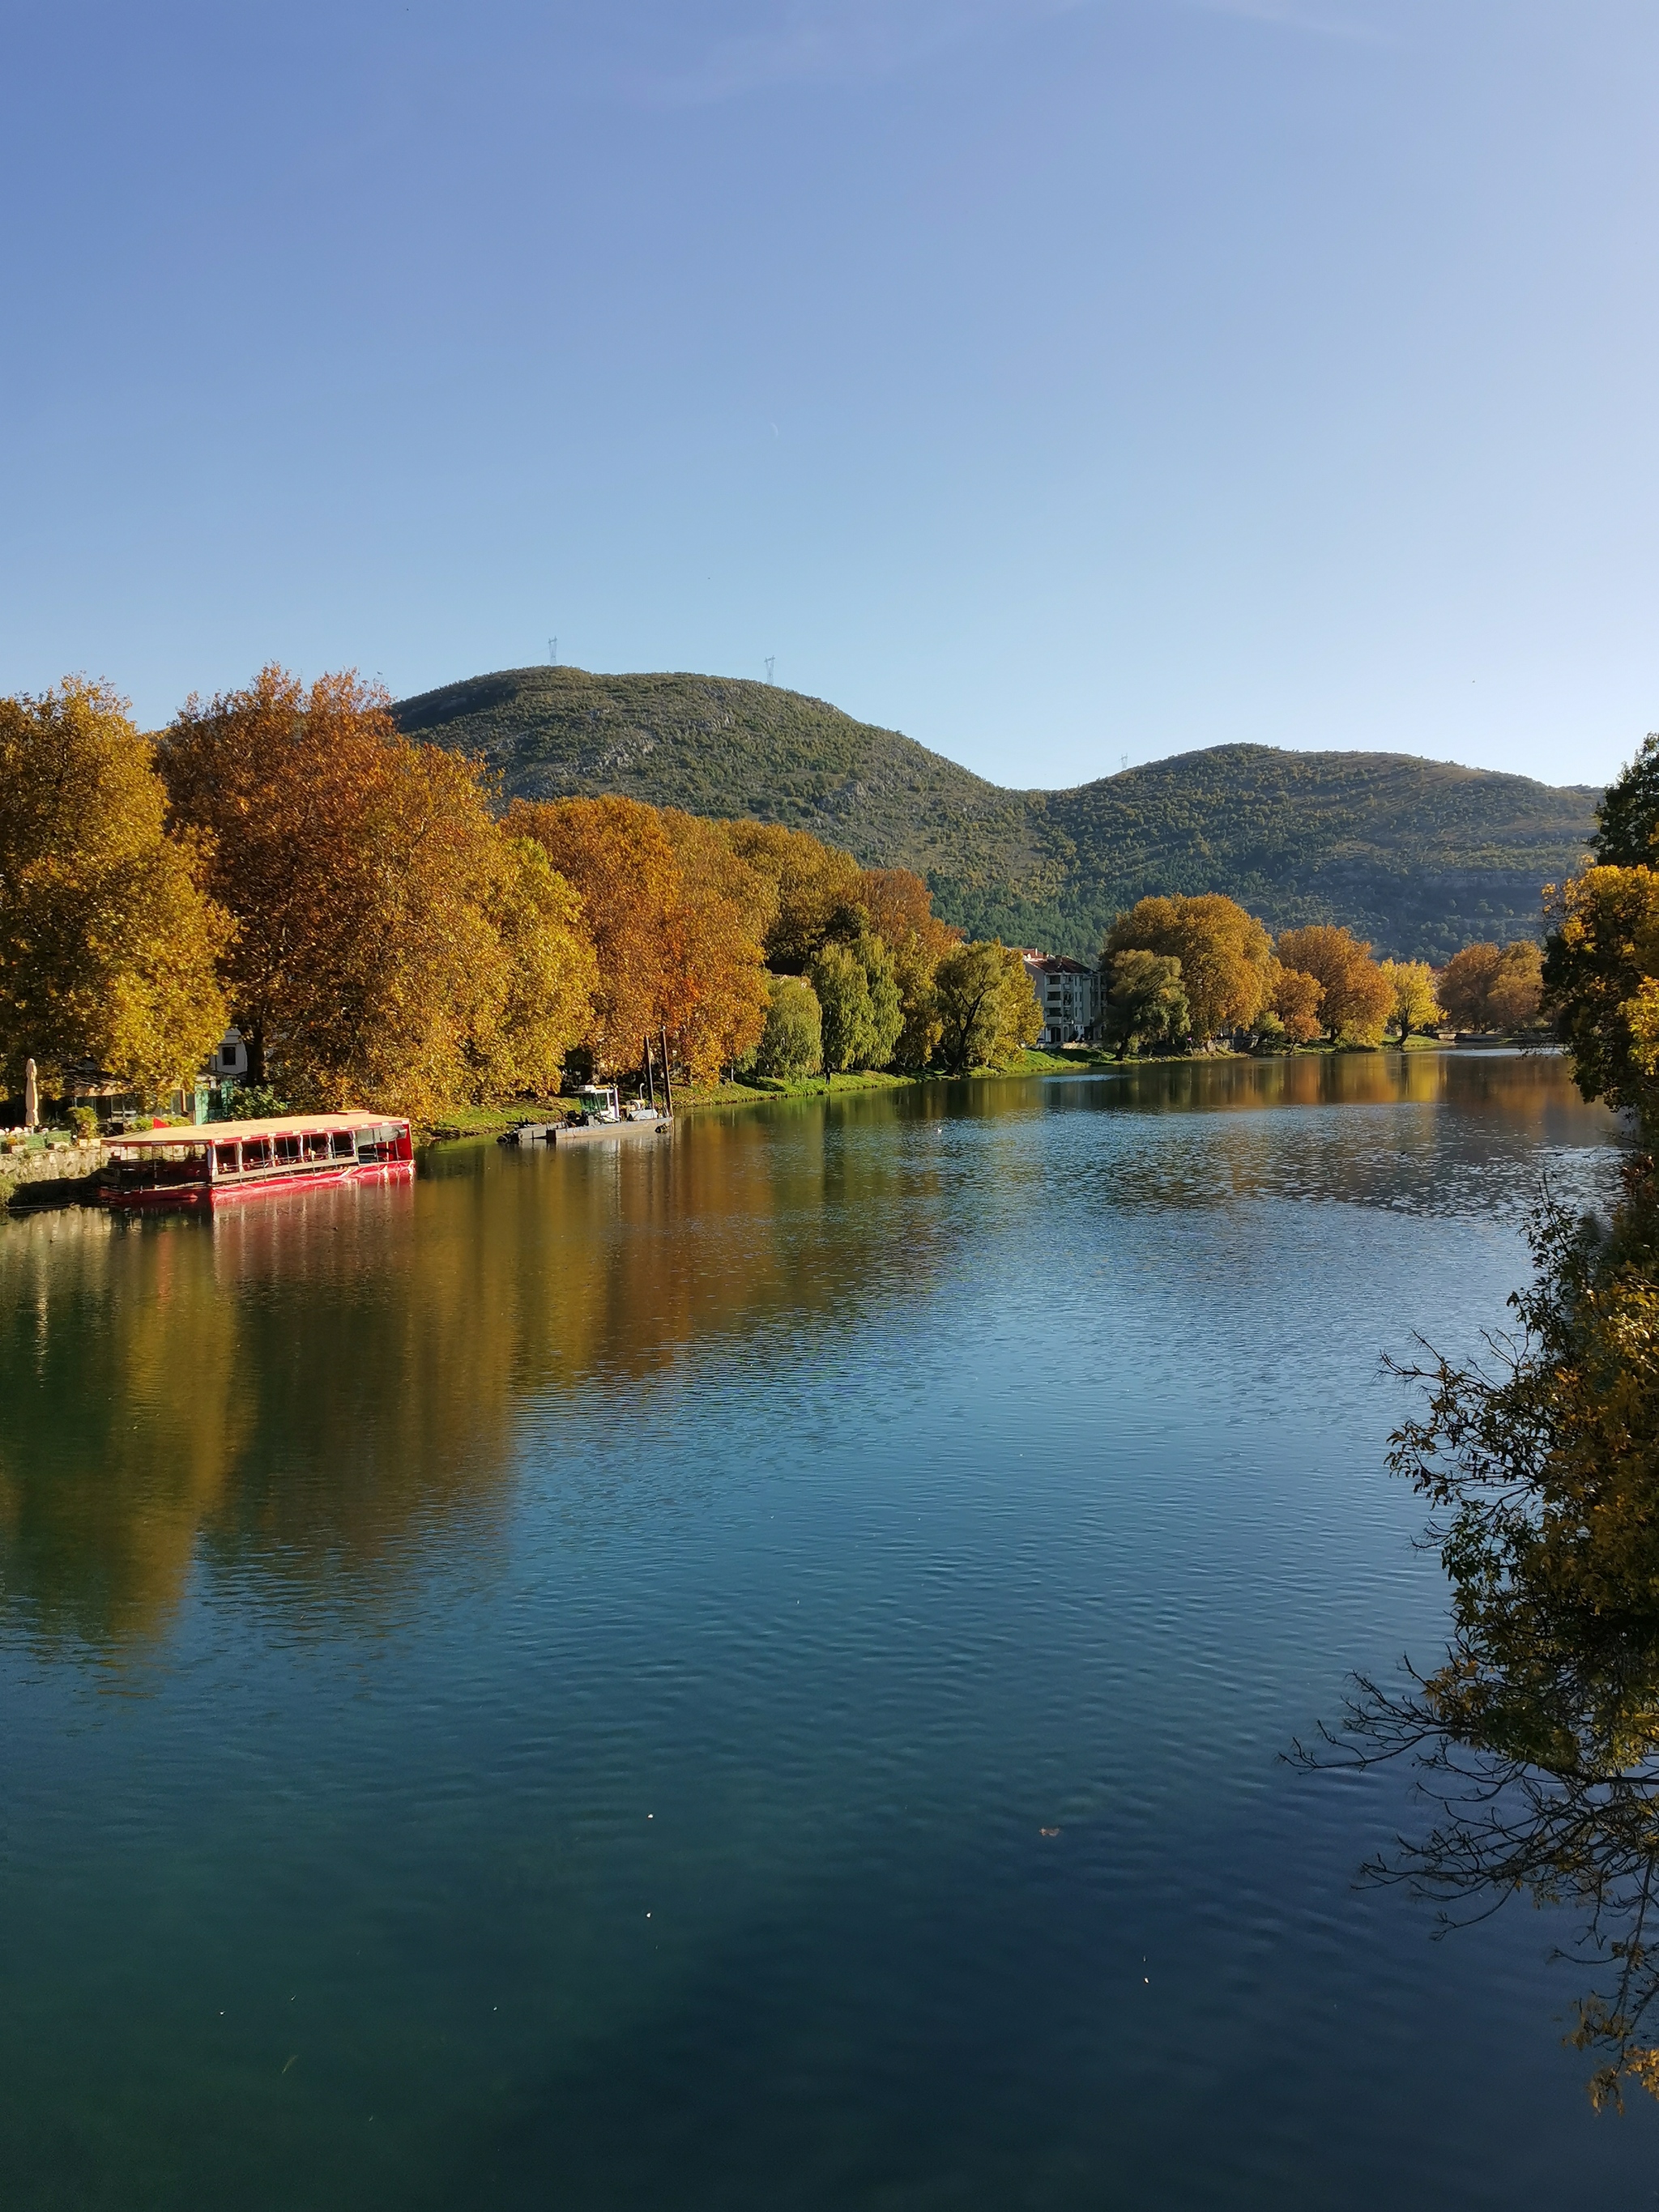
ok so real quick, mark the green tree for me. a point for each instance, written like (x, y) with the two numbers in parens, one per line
(1144, 1001)
(107, 938)
(886, 1006)
(848, 1018)
(1628, 817)
(987, 1011)
(792, 1043)
(859, 994)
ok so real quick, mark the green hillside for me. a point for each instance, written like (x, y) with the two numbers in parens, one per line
(1416, 854)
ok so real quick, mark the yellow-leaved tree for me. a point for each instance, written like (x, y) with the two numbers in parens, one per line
(1224, 954)
(108, 936)
(1415, 1004)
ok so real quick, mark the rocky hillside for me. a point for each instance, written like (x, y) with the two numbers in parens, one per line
(1419, 856)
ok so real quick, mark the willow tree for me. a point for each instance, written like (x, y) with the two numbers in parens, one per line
(900, 913)
(987, 1011)
(108, 936)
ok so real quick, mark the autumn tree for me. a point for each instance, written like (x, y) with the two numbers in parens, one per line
(1224, 953)
(713, 993)
(538, 998)
(1602, 978)
(1143, 1002)
(791, 1043)
(987, 1009)
(818, 890)
(1357, 998)
(108, 938)
(1415, 1005)
(1294, 998)
(376, 959)
(677, 914)
(618, 857)
(1492, 986)
(901, 912)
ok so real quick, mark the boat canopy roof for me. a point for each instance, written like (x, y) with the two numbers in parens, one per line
(279, 1125)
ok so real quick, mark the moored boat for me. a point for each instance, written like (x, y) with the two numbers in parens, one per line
(229, 1160)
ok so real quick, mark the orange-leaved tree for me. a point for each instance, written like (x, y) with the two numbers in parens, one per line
(108, 936)
(1493, 987)
(1295, 997)
(618, 857)
(1358, 998)
(714, 995)
(368, 880)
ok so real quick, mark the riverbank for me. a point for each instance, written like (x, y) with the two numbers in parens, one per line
(689, 1098)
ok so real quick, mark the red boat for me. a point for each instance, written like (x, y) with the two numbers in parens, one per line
(224, 1160)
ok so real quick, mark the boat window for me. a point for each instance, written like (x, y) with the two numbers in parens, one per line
(226, 1155)
(288, 1151)
(256, 1152)
(341, 1145)
(317, 1143)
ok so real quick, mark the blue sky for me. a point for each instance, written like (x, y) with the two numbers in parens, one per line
(1054, 380)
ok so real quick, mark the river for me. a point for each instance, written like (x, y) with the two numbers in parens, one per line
(753, 1671)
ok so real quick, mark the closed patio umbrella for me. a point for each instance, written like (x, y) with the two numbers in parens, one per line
(31, 1096)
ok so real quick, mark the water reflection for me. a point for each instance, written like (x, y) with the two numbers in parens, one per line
(321, 1392)
(325, 1387)
(1536, 1740)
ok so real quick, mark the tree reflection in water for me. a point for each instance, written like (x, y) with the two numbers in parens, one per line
(317, 1397)
(1537, 1738)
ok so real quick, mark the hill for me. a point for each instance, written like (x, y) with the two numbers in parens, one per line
(1419, 856)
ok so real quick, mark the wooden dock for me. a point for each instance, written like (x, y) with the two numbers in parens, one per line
(592, 1133)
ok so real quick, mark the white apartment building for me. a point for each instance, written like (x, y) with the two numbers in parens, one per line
(1066, 993)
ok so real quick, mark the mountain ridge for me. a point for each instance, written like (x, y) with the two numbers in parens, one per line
(1419, 855)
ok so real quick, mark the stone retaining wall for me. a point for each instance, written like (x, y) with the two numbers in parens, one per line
(56, 1175)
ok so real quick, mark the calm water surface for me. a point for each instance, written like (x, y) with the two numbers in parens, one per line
(751, 1672)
